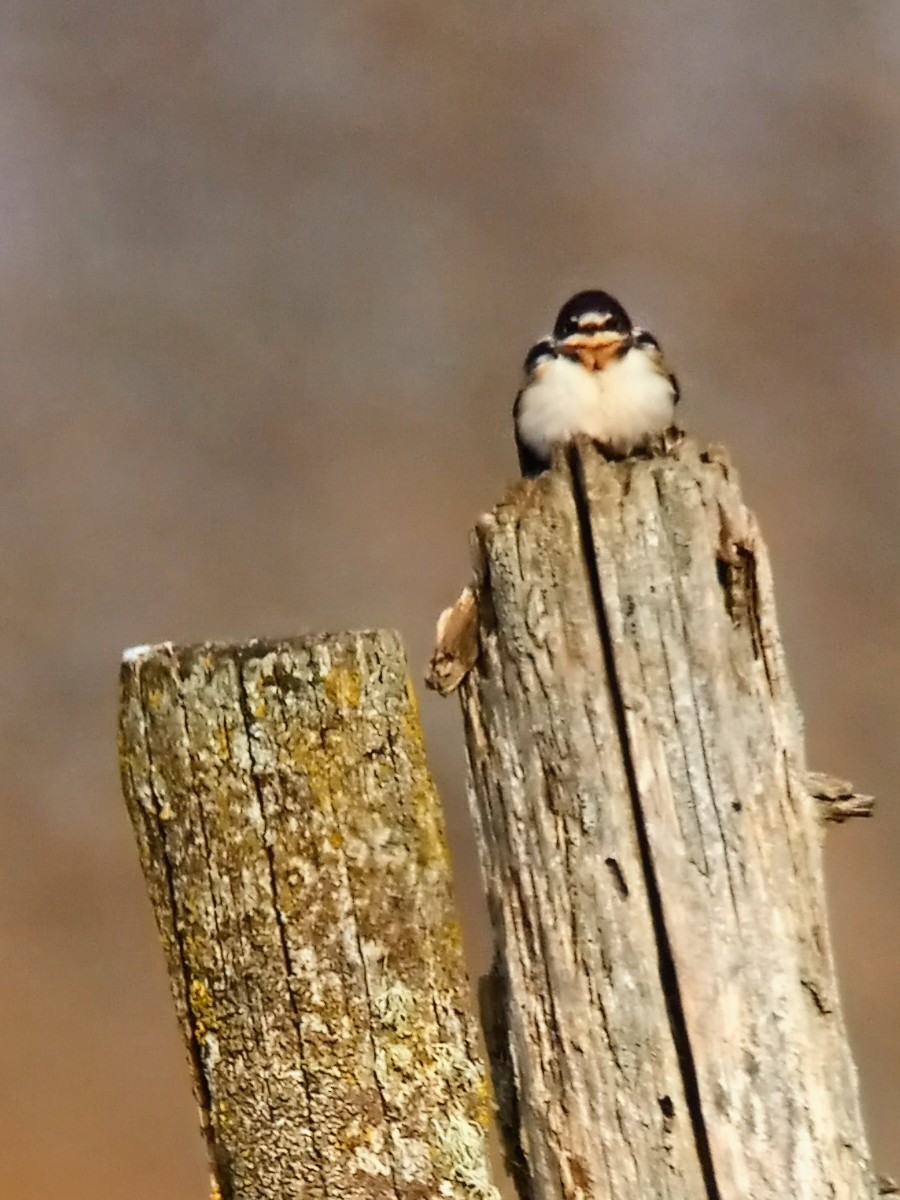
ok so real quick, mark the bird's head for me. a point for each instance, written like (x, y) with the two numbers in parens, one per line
(592, 327)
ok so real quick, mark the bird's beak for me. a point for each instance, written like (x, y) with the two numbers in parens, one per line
(594, 349)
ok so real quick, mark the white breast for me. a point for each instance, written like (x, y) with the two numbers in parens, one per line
(635, 402)
(620, 406)
(561, 402)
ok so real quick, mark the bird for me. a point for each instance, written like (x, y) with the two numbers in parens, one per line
(598, 375)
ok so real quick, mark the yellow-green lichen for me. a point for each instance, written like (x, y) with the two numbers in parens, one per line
(343, 687)
(205, 1020)
(363, 1160)
(412, 700)
(412, 1062)
(461, 1157)
(395, 1008)
(322, 766)
(462, 1077)
(484, 1100)
(453, 939)
(426, 813)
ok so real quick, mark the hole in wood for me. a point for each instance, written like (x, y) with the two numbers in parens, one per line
(737, 579)
(618, 878)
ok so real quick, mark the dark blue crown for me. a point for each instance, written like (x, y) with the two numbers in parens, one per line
(569, 319)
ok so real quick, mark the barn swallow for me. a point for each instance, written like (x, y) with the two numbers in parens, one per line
(597, 375)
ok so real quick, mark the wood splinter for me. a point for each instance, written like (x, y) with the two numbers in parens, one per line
(456, 644)
(839, 800)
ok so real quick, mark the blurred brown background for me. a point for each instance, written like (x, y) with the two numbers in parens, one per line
(267, 274)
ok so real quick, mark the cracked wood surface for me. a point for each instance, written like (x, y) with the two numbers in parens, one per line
(294, 851)
(651, 844)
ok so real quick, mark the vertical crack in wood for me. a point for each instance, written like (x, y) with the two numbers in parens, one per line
(356, 935)
(666, 962)
(269, 853)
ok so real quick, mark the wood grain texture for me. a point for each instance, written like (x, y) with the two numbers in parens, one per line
(293, 846)
(651, 843)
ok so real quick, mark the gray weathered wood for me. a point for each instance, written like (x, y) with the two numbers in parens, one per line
(294, 851)
(651, 843)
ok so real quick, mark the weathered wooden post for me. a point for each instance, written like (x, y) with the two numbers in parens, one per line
(651, 842)
(293, 847)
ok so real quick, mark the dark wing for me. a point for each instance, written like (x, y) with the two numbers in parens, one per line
(646, 341)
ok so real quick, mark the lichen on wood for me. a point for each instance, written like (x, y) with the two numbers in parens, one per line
(651, 843)
(293, 846)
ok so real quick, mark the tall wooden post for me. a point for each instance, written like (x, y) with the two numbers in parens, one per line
(294, 851)
(651, 841)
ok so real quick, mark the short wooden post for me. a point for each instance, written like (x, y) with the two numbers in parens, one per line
(651, 841)
(294, 851)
